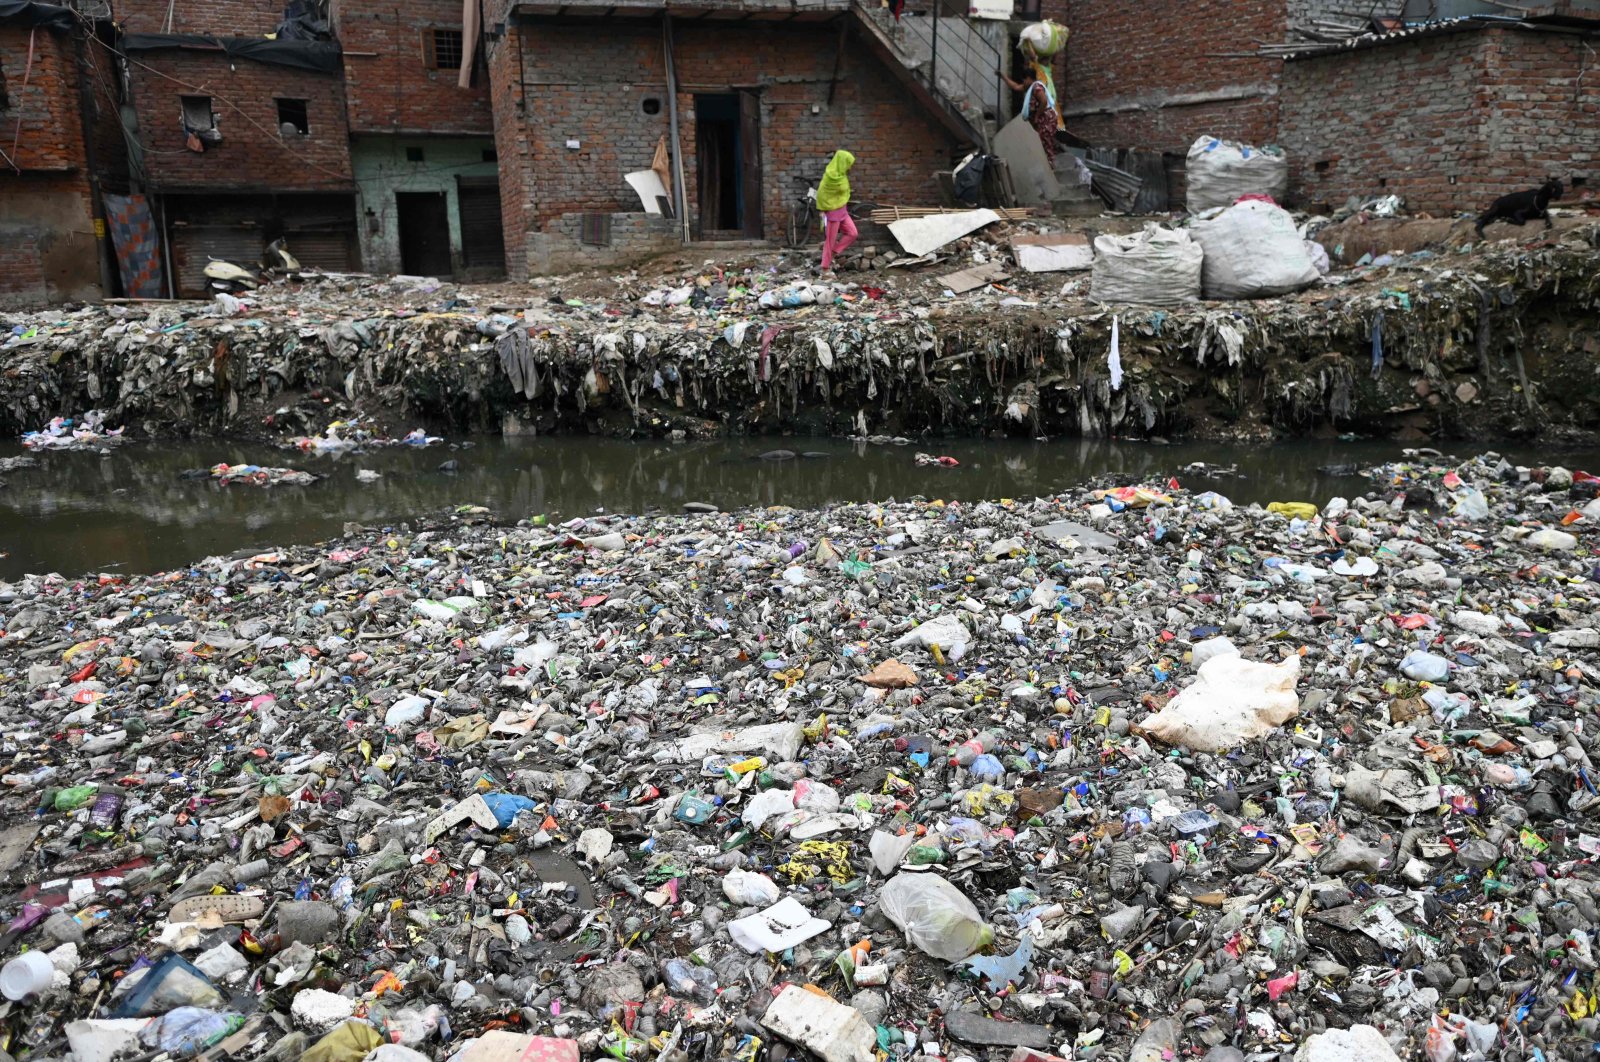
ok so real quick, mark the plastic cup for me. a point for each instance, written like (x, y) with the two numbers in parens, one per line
(27, 975)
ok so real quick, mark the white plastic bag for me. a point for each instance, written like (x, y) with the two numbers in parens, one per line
(1156, 267)
(1551, 540)
(1045, 38)
(749, 889)
(935, 916)
(1319, 256)
(778, 741)
(1423, 666)
(536, 655)
(1470, 504)
(444, 611)
(1359, 1043)
(1212, 648)
(1252, 250)
(406, 710)
(1220, 171)
(947, 632)
(1232, 701)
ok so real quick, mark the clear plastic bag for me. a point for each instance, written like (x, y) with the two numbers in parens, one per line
(935, 916)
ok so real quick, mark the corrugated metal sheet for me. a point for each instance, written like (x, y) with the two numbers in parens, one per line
(1148, 167)
(1117, 187)
(1436, 28)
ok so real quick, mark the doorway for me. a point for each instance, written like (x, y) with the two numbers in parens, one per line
(728, 153)
(483, 245)
(424, 233)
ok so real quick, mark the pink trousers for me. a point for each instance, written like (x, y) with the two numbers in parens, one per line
(840, 232)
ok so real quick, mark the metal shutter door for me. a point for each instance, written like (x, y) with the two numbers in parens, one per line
(194, 246)
(482, 234)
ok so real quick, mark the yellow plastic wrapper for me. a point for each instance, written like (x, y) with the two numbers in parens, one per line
(463, 732)
(349, 1042)
(834, 857)
(1294, 510)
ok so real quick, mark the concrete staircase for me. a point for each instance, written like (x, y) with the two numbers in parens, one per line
(1076, 200)
(955, 68)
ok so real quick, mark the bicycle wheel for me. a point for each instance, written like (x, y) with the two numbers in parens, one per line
(801, 218)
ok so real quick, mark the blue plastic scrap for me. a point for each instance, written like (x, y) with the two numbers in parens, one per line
(1001, 970)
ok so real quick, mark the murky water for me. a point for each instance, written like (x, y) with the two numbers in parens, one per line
(131, 510)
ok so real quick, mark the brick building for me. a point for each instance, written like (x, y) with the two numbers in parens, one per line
(1155, 74)
(49, 212)
(244, 135)
(765, 92)
(422, 139)
(1440, 100)
(1448, 116)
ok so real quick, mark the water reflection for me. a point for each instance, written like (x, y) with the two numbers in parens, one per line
(132, 511)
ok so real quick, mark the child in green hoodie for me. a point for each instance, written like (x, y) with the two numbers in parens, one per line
(833, 199)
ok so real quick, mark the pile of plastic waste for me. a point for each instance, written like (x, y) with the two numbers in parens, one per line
(86, 432)
(1117, 774)
(260, 476)
(690, 347)
(356, 435)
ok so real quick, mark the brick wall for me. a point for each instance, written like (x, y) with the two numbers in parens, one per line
(21, 272)
(1349, 12)
(391, 89)
(47, 245)
(252, 154)
(558, 248)
(216, 18)
(50, 136)
(1449, 121)
(589, 84)
(1156, 74)
(1544, 111)
(514, 149)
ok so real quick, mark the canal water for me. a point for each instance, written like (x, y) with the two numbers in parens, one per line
(134, 510)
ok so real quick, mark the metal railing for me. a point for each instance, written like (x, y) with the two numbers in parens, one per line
(963, 66)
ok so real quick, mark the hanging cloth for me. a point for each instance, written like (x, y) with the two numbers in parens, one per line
(1114, 362)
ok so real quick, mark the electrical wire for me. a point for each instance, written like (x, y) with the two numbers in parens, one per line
(274, 134)
(26, 74)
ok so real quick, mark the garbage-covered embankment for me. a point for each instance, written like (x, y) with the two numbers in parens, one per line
(1493, 343)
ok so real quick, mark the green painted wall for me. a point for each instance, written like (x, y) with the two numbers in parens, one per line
(382, 169)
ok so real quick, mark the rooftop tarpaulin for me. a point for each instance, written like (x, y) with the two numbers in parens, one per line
(29, 13)
(322, 57)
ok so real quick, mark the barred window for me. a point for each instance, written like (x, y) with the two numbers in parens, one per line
(441, 49)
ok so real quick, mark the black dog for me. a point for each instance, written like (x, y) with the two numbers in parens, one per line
(1519, 208)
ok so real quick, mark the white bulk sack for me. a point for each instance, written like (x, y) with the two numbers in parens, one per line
(1156, 267)
(1253, 250)
(1220, 171)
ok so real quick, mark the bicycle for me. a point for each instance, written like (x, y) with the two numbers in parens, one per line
(803, 227)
